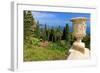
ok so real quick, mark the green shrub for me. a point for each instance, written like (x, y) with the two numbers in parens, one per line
(35, 41)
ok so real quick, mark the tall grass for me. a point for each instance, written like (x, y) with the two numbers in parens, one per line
(54, 51)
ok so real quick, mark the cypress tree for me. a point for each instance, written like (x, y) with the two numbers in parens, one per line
(66, 34)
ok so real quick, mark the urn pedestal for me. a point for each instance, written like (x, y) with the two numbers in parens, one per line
(78, 50)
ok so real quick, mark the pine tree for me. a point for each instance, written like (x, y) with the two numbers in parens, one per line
(37, 30)
(29, 21)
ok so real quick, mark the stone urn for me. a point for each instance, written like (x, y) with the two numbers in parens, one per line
(78, 50)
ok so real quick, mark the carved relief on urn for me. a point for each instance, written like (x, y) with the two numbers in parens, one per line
(79, 27)
(78, 50)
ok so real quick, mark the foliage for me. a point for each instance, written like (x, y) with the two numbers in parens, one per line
(66, 35)
(29, 21)
(52, 52)
(37, 30)
(86, 40)
(46, 43)
(52, 35)
(35, 41)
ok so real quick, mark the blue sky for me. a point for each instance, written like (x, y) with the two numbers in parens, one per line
(58, 18)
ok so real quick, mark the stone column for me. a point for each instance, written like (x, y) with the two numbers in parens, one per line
(78, 50)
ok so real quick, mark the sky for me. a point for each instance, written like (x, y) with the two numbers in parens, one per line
(54, 19)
